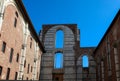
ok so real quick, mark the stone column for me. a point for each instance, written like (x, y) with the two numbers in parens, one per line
(102, 70)
(35, 61)
(23, 52)
(117, 64)
(1, 12)
(116, 56)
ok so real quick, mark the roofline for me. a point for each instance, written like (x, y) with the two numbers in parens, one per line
(61, 24)
(110, 26)
(25, 15)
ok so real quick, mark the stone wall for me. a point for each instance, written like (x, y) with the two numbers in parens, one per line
(86, 73)
(47, 67)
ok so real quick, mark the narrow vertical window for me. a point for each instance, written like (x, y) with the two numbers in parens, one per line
(25, 63)
(85, 61)
(16, 74)
(31, 68)
(28, 68)
(17, 59)
(27, 78)
(31, 43)
(59, 42)
(3, 47)
(15, 22)
(22, 77)
(8, 74)
(16, 13)
(0, 70)
(11, 55)
(58, 61)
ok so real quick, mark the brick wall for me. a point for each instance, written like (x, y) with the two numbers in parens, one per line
(107, 53)
(13, 34)
(13, 38)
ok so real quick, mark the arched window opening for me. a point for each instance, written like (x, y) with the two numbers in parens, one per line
(59, 42)
(85, 61)
(58, 61)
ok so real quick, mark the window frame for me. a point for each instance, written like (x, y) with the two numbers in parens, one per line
(17, 58)
(8, 74)
(1, 68)
(11, 55)
(16, 74)
(15, 22)
(28, 69)
(3, 47)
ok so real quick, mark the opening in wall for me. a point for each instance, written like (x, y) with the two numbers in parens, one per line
(0, 70)
(85, 61)
(59, 41)
(58, 61)
(3, 47)
(8, 74)
(11, 55)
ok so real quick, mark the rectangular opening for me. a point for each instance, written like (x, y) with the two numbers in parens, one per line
(16, 74)
(15, 22)
(11, 55)
(1, 70)
(8, 74)
(17, 59)
(3, 47)
(28, 68)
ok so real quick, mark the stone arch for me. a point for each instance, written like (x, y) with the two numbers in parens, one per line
(68, 53)
(59, 28)
(50, 35)
(85, 74)
(13, 5)
(7, 3)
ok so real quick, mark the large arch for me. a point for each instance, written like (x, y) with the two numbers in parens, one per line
(67, 51)
(51, 36)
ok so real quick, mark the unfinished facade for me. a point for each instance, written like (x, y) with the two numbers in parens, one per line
(72, 69)
(103, 60)
(21, 50)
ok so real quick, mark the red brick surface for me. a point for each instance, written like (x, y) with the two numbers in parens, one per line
(13, 36)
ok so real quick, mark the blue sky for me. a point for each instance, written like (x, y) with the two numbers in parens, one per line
(58, 62)
(59, 42)
(93, 17)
